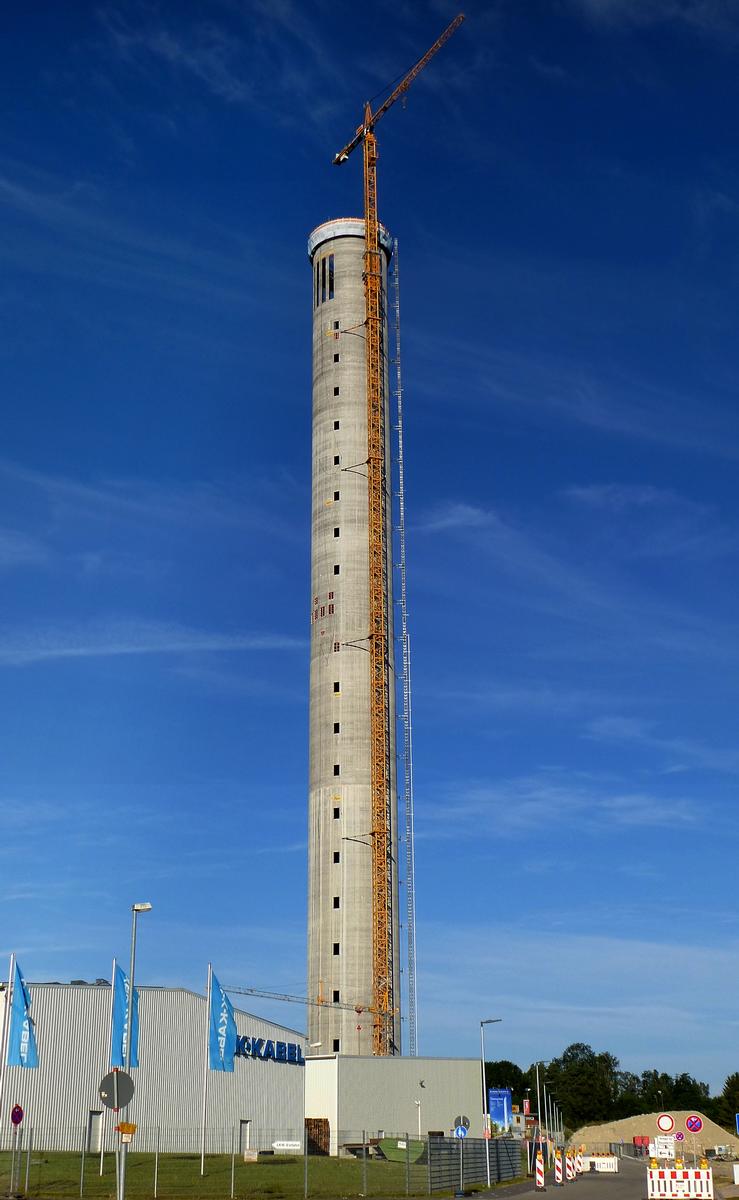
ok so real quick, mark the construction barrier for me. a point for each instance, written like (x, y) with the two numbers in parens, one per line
(604, 1163)
(664, 1183)
(558, 1168)
(569, 1167)
(540, 1171)
(578, 1163)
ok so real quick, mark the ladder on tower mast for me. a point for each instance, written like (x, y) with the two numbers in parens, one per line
(383, 950)
(405, 643)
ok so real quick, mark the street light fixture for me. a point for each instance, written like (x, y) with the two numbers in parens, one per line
(142, 907)
(485, 1113)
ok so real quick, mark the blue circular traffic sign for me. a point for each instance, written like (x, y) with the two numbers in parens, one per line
(460, 1132)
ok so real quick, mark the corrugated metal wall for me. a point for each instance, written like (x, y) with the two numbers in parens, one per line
(72, 1031)
(454, 1165)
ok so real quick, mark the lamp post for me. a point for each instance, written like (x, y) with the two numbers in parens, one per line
(135, 910)
(485, 1113)
(418, 1109)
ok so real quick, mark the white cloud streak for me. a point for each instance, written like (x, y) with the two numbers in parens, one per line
(22, 647)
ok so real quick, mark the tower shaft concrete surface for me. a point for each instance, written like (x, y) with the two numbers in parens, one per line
(340, 955)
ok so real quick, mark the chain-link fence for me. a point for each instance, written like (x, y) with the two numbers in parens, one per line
(352, 1163)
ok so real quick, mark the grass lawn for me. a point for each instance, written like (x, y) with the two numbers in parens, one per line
(58, 1175)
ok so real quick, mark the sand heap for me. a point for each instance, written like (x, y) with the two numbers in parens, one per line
(597, 1137)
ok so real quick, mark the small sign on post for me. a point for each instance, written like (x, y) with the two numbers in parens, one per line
(16, 1114)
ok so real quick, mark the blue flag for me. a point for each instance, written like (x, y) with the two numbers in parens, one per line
(119, 1032)
(222, 1029)
(22, 1050)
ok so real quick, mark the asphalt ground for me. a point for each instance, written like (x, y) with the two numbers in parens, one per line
(630, 1183)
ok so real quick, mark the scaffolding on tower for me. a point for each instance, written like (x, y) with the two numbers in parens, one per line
(406, 716)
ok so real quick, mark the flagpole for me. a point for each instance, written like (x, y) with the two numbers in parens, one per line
(6, 1025)
(107, 1063)
(205, 1066)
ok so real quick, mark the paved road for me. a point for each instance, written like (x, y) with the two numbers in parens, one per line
(629, 1184)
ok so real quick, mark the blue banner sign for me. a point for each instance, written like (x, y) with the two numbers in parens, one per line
(499, 1107)
(22, 1050)
(222, 1038)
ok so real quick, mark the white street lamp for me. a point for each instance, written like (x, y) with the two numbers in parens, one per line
(485, 1112)
(143, 907)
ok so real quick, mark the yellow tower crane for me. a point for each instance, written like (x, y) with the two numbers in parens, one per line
(383, 982)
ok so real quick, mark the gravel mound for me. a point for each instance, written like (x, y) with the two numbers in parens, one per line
(597, 1137)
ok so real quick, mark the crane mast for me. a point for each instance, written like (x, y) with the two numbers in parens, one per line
(383, 982)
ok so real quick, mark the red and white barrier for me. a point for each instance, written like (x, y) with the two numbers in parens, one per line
(663, 1183)
(578, 1163)
(540, 1171)
(558, 1168)
(569, 1167)
(604, 1163)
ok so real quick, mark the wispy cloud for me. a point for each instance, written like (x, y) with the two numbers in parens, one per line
(195, 504)
(21, 647)
(518, 805)
(681, 754)
(705, 16)
(17, 550)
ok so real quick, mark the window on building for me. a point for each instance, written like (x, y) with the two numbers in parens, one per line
(337, 726)
(330, 610)
(318, 282)
(337, 425)
(330, 276)
(337, 769)
(337, 569)
(336, 495)
(337, 1045)
(337, 460)
(323, 279)
(337, 856)
(336, 531)
(336, 358)
(337, 390)
(337, 813)
(337, 645)
(336, 947)
(337, 686)
(336, 324)
(337, 902)
(336, 996)
(323, 610)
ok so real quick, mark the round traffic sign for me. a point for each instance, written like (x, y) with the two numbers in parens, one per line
(694, 1123)
(16, 1114)
(679, 1136)
(116, 1090)
(665, 1123)
(460, 1132)
(462, 1121)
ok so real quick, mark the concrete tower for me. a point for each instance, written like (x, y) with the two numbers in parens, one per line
(340, 821)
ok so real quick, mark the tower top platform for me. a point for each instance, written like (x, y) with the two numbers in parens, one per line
(345, 227)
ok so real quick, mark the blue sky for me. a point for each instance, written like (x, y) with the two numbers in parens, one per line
(564, 187)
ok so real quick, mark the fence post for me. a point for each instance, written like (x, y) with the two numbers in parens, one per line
(156, 1164)
(407, 1165)
(305, 1160)
(29, 1148)
(82, 1163)
(233, 1160)
(428, 1164)
(364, 1162)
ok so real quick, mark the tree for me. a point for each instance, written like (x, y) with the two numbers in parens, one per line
(505, 1074)
(727, 1104)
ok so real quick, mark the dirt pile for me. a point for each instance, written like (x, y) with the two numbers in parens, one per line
(597, 1137)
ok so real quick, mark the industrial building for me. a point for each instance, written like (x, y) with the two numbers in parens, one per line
(342, 827)
(391, 1095)
(259, 1102)
(273, 1087)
